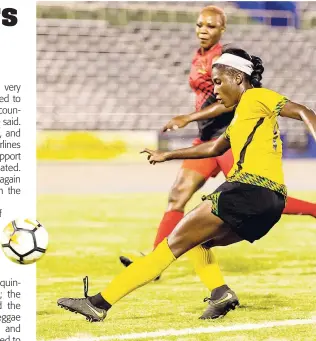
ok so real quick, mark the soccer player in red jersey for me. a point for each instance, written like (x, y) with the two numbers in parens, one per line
(193, 174)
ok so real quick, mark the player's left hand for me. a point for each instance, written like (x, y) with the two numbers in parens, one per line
(155, 156)
(176, 122)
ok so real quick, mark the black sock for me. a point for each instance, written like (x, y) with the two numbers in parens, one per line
(217, 293)
(98, 301)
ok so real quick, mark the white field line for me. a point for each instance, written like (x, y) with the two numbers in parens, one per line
(193, 331)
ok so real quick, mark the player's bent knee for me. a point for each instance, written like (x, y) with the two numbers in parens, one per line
(178, 199)
(197, 227)
(180, 194)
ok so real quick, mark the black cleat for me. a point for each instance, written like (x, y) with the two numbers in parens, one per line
(220, 307)
(83, 306)
(127, 262)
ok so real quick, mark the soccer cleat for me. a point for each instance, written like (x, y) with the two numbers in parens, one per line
(220, 307)
(83, 306)
(127, 262)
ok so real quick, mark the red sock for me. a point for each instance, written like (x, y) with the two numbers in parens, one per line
(295, 206)
(167, 224)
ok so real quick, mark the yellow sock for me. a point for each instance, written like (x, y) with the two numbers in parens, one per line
(142, 271)
(206, 267)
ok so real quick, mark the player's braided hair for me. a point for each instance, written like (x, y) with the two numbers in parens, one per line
(256, 76)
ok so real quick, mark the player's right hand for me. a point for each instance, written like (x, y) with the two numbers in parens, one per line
(176, 122)
(155, 156)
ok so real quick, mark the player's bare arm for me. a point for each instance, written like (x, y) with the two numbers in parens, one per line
(205, 150)
(302, 113)
(208, 112)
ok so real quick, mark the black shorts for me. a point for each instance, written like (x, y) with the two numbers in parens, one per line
(251, 211)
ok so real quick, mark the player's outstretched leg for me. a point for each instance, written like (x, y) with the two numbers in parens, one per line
(195, 228)
(299, 207)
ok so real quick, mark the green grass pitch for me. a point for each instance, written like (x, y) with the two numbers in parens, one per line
(275, 278)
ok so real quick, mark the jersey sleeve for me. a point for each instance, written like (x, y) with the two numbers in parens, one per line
(274, 101)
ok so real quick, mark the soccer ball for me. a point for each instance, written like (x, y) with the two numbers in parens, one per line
(24, 241)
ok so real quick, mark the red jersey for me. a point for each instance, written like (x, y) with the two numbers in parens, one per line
(201, 83)
(201, 74)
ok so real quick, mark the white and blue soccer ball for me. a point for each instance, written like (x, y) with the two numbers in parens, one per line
(24, 241)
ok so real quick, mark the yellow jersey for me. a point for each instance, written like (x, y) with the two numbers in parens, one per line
(255, 140)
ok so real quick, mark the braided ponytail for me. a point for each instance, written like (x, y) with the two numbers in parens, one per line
(256, 76)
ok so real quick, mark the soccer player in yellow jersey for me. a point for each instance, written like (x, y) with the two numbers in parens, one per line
(245, 207)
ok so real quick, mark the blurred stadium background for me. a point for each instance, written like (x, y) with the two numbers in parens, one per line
(120, 66)
(109, 76)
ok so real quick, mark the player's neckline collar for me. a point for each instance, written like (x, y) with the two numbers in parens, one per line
(209, 50)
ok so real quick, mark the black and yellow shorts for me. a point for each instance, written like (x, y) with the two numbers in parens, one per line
(250, 210)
